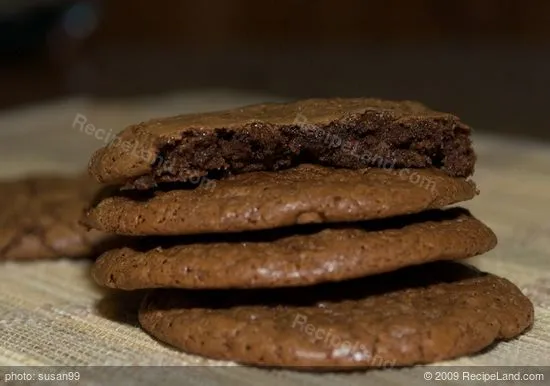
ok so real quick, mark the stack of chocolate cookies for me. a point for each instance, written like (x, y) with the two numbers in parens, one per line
(313, 234)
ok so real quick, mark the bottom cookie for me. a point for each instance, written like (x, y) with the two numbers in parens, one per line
(415, 315)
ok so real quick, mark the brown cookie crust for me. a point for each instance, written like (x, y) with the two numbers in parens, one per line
(296, 256)
(350, 133)
(416, 315)
(264, 200)
(39, 217)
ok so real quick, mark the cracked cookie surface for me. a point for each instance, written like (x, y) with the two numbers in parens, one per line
(349, 133)
(39, 217)
(296, 256)
(263, 200)
(420, 314)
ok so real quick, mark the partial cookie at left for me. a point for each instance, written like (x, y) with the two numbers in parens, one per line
(39, 218)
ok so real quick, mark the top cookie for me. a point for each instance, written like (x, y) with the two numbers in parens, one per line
(349, 133)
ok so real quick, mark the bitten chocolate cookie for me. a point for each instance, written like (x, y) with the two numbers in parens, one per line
(297, 256)
(416, 315)
(39, 218)
(264, 200)
(347, 133)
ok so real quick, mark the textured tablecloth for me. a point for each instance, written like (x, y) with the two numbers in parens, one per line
(51, 313)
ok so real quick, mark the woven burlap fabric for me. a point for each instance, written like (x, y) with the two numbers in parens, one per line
(51, 313)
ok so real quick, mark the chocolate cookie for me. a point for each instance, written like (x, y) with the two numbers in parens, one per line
(297, 256)
(420, 314)
(348, 133)
(264, 200)
(39, 217)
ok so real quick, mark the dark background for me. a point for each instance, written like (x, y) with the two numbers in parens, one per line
(485, 60)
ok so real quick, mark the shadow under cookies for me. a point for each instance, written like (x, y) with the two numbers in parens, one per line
(120, 306)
